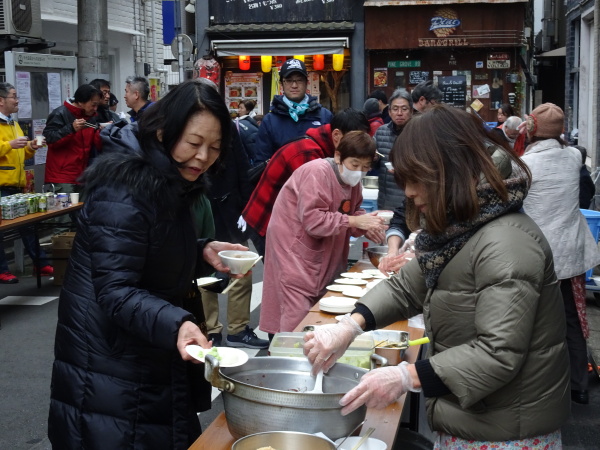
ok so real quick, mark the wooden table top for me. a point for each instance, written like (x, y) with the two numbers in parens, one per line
(385, 421)
(37, 217)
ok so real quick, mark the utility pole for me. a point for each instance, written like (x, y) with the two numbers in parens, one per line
(92, 40)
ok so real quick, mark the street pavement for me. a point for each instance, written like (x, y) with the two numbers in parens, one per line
(26, 355)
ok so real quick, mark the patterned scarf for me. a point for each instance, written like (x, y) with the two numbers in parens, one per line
(434, 252)
(296, 109)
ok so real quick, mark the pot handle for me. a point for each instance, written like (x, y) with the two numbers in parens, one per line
(378, 360)
(213, 376)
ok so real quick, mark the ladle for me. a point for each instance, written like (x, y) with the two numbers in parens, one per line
(350, 434)
(318, 389)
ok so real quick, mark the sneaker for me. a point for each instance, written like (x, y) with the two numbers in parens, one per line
(8, 278)
(45, 271)
(216, 339)
(246, 338)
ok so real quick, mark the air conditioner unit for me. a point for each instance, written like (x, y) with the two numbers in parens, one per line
(21, 18)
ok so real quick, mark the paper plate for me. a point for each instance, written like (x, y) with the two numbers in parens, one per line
(354, 291)
(337, 305)
(356, 275)
(351, 281)
(229, 357)
(372, 272)
(205, 281)
(372, 284)
(336, 287)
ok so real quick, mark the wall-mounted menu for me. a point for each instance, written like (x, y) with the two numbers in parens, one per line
(416, 77)
(454, 90)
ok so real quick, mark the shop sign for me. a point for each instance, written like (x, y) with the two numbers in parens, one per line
(498, 61)
(400, 64)
(452, 42)
(444, 22)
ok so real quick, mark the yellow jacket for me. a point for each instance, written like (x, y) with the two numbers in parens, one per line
(12, 160)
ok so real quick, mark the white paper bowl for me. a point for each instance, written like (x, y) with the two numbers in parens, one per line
(386, 216)
(238, 261)
(369, 444)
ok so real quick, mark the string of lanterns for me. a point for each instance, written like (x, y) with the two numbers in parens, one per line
(266, 62)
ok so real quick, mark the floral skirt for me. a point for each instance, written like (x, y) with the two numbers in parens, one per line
(551, 441)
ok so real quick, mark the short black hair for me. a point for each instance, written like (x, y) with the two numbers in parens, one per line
(583, 151)
(379, 95)
(350, 119)
(99, 83)
(85, 93)
(169, 116)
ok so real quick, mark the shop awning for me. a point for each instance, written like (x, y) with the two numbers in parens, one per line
(561, 51)
(433, 2)
(275, 47)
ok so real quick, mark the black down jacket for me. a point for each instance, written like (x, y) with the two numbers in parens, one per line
(390, 195)
(118, 381)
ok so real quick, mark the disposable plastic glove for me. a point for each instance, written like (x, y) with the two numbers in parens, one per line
(378, 388)
(327, 343)
(241, 224)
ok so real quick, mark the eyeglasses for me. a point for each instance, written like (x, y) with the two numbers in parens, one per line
(290, 82)
(395, 109)
(12, 96)
(105, 92)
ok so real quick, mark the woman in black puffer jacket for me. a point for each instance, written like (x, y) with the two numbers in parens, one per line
(120, 377)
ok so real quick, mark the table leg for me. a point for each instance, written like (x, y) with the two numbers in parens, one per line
(36, 259)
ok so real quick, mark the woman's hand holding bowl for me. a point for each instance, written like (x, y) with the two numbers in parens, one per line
(211, 255)
(390, 263)
(190, 334)
(368, 222)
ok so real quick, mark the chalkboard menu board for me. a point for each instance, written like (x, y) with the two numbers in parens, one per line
(454, 90)
(273, 11)
(416, 77)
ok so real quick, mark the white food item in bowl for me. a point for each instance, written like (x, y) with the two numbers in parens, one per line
(238, 261)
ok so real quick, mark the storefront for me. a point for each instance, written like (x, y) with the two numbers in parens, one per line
(249, 40)
(475, 52)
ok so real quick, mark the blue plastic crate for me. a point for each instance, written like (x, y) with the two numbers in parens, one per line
(369, 205)
(593, 220)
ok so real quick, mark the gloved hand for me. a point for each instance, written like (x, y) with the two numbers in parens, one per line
(324, 346)
(241, 223)
(378, 388)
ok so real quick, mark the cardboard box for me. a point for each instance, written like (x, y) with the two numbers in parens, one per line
(61, 251)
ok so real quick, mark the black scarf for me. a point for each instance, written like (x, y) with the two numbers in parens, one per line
(434, 252)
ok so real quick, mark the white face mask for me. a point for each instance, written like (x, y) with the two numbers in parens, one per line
(351, 177)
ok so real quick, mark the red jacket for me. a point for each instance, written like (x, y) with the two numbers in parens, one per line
(68, 150)
(375, 123)
(317, 143)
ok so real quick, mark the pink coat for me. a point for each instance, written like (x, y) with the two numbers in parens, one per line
(307, 243)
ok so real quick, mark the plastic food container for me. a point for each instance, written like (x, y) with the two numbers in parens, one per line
(359, 354)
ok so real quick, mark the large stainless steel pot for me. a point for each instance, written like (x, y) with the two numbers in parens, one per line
(270, 394)
(285, 440)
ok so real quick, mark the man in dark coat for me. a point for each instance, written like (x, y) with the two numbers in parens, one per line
(292, 113)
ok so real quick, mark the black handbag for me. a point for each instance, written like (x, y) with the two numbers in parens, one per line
(255, 172)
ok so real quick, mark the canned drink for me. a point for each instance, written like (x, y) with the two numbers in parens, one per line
(31, 205)
(42, 204)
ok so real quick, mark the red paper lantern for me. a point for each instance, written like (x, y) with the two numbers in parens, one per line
(318, 62)
(244, 62)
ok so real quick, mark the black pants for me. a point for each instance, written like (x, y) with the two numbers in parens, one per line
(575, 341)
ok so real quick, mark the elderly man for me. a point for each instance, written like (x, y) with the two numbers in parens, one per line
(292, 113)
(425, 95)
(137, 90)
(509, 132)
(14, 150)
